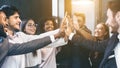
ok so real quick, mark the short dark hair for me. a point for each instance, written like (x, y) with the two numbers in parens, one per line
(9, 10)
(114, 5)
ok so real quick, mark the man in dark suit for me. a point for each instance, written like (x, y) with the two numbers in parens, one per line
(8, 49)
(110, 47)
(75, 56)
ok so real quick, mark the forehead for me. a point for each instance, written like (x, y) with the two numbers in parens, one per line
(49, 22)
(15, 14)
(2, 14)
(30, 21)
(100, 26)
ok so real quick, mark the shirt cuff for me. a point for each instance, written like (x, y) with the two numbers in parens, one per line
(71, 36)
(52, 38)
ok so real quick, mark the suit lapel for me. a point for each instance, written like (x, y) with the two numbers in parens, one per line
(111, 45)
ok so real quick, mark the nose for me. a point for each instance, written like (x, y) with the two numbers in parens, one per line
(20, 20)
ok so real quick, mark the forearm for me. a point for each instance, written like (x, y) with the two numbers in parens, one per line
(89, 44)
(57, 43)
(27, 47)
(85, 34)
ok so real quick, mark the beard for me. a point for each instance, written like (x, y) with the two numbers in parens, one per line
(16, 30)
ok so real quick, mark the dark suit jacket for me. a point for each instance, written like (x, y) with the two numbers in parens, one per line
(8, 49)
(72, 56)
(105, 46)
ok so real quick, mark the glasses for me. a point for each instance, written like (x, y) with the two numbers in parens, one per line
(32, 25)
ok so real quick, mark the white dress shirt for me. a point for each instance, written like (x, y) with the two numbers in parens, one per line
(18, 61)
(117, 53)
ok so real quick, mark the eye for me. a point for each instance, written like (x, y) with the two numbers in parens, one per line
(30, 25)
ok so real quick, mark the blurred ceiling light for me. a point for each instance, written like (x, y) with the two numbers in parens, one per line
(84, 2)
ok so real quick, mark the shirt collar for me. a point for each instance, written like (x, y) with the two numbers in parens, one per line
(14, 36)
(119, 37)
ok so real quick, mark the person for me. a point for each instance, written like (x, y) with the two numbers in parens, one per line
(9, 49)
(12, 14)
(80, 55)
(3, 22)
(110, 47)
(49, 54)
(44, 57)
(33, 59)
(75, 56)
(101, 32)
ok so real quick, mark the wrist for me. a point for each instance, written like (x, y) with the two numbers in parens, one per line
(71, 36)
(56, 36)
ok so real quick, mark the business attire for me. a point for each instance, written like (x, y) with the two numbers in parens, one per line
(80, 55)
(106, 46)
(64, 57)
(110, 62)
(96, 57)
(19, 61)
(48, 54)
(9, 49)
(74, 56)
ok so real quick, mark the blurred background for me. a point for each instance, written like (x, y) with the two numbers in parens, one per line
(95, 10)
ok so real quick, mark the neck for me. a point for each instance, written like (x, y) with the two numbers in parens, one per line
(2, 33)
(99, 39)
(10, 31)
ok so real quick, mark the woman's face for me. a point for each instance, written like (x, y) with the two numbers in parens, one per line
(30, 27)
(100, 31)
(48, 26)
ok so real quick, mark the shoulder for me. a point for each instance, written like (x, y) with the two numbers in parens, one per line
(1, 39)
(3, 42)
(21, 34)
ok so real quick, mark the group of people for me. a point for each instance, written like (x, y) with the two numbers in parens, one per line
(14, 42)
(70, 46)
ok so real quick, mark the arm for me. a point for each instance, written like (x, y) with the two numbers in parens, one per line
(32, 45)
(84, 31)
(32, 37)
(85, 34)
(16, 49)
(56, 43)
(90, 44)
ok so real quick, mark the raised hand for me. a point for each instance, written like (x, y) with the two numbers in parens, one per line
(75, 23)
(63, 26)
(70, 26)
(70, 23)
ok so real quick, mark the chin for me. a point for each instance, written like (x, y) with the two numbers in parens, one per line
(17, 28)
